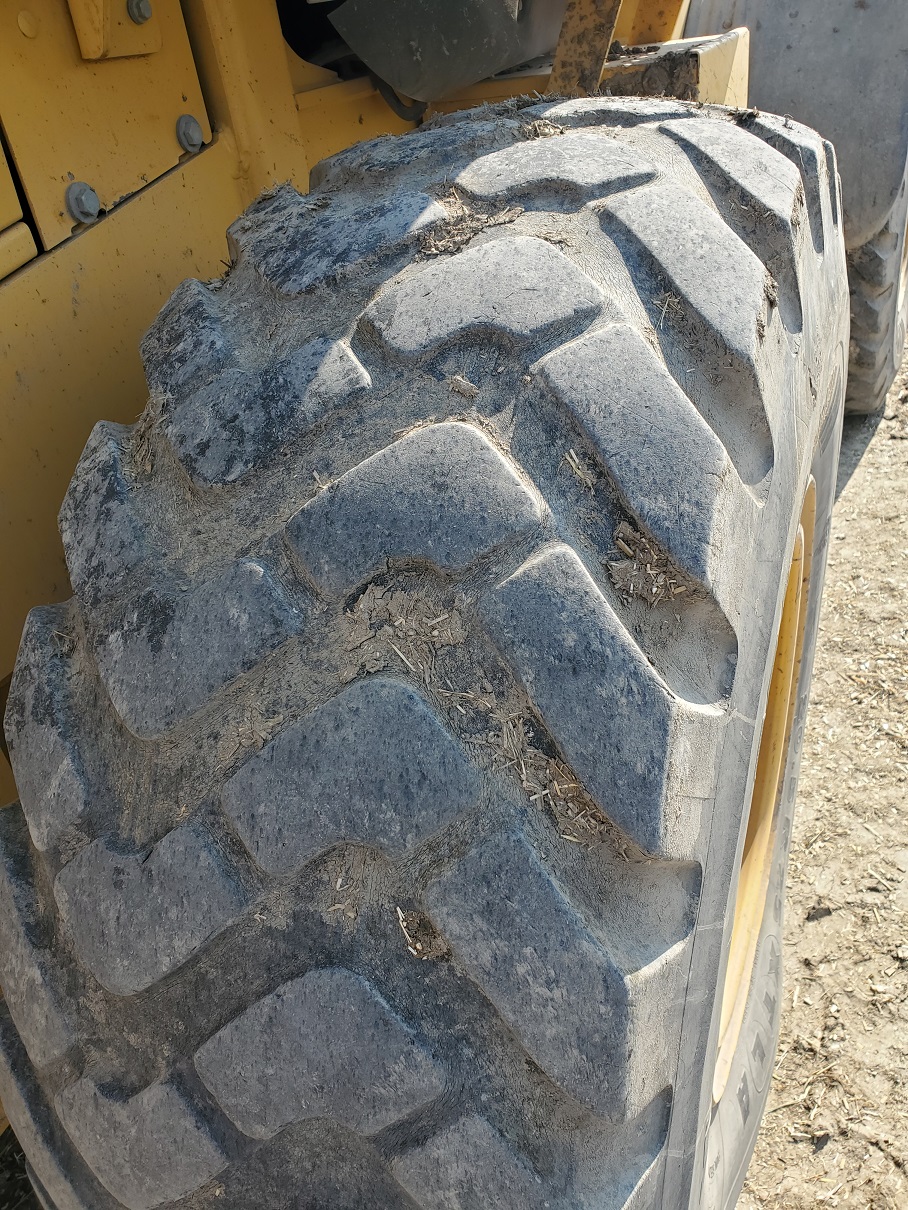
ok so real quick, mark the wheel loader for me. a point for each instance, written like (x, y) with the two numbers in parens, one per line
(411, 679)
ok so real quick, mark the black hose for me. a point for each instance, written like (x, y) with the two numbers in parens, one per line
(410, 113)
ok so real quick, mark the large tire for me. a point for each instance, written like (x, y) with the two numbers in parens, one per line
(878, 277)
(383, 783)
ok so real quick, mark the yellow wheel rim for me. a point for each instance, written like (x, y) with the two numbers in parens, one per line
(759, 839)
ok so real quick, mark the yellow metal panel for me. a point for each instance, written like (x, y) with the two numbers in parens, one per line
(725, 69)
(645, 21)
(106, 31)
(110, 123)
(712, 69)
(348, 112)
(10, 210)
(17, 246)
(304, 76)
(70, 325)
(242, 60)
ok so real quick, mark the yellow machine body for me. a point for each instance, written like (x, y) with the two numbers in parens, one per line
(88, 97)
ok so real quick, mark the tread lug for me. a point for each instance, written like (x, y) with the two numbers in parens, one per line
(442, 493)
(469, 1165)
(580, 165)
(243, 417)
(104, 539)
(333, 777)
(715, 275)
(344, 236)
(614, 719)
(25, 965)
(516, 287)
(150, 1149)
(630, 408)
(323, 1046)
(195, 642)
(570, 1003)
(42, 729)
(187, 344)
(135, 918)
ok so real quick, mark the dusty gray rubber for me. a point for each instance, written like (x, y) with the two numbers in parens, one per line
(839, 65)
(878, 279)
(382, 782)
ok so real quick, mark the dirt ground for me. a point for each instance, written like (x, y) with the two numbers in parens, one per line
(836, 1128)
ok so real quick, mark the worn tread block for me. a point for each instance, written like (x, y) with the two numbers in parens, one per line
(52, 1159)
(521, 940)
(42, 732)
(712, 269)
(599, 698)
(150, 1149)
(323, 1046)
(804, 148)
(606, 111)
(315, 1164)
(516, 286)
(876, 262)
(714, 274)
(874, 348)
(469, 1166)
(136, 917)
(427, 150)
(632, 410)
(581, 164)
(833, 182)
(334, 776)
(768, 176)
(104, 540)
(187, 344)
(768, 182)
(295, 244)
(244, 416)
(171, 650)
(25, 966)
(443, 493)
(870, 311)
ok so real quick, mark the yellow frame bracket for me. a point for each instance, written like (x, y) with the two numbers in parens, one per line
(583, 45)
(107, 30)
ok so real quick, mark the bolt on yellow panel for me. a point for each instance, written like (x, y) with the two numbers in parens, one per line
(109, 29)
(242, 61)
(109, 123)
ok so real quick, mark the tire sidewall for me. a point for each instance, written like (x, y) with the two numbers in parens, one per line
(900, 324)
(733, 1124)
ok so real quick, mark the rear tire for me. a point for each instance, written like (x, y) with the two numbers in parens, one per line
(382, 784)
(878, 279)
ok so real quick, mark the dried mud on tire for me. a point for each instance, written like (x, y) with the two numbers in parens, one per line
(401, 726)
